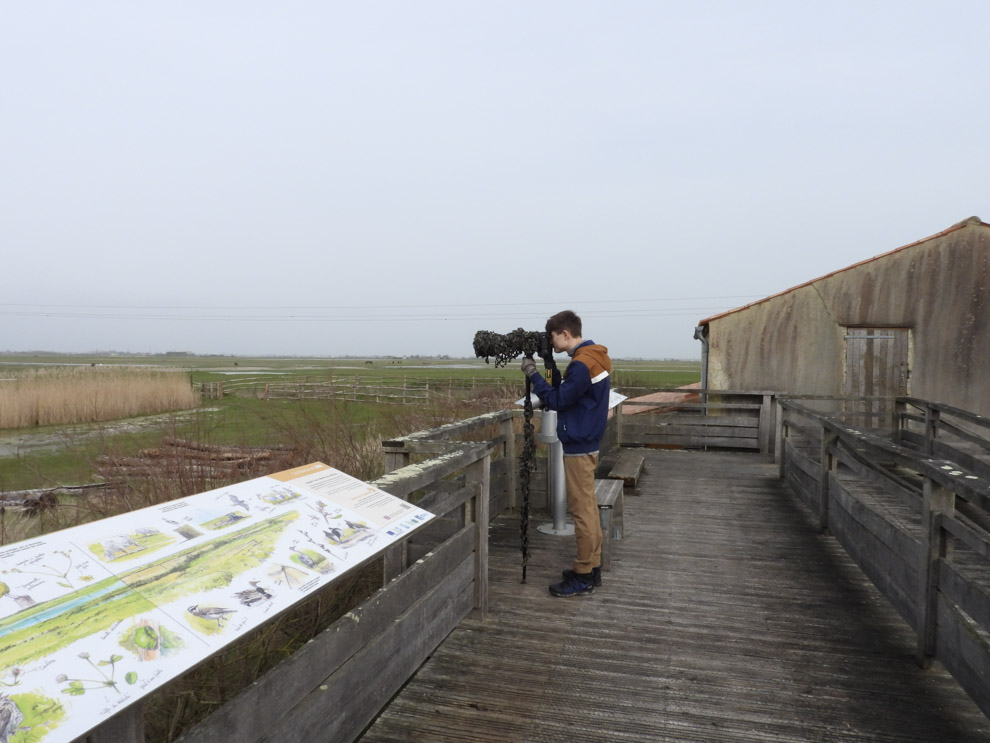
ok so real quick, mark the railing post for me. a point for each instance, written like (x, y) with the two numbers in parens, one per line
(780, 440)
(479, 476)
(618, 426)
(765, 425)
(900, 410)
(931, 428)
(395, 459)
(395, 557)
(938, 501)
(828, 462)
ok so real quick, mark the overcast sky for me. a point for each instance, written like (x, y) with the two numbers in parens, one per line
(350, 178)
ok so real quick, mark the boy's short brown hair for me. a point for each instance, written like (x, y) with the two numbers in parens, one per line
(565, 320)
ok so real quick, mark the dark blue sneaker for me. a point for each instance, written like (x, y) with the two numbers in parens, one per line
(596, 575)
(576, 584)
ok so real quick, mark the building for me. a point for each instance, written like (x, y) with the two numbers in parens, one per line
(912, 321)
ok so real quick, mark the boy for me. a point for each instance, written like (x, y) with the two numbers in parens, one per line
(581, 402)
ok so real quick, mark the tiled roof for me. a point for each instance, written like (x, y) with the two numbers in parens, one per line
(943, 233)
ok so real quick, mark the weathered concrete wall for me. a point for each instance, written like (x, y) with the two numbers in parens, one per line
(938, 287)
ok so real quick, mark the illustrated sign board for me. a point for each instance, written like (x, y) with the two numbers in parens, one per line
(94, 617)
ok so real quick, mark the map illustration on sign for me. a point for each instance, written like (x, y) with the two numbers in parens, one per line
(94, 617)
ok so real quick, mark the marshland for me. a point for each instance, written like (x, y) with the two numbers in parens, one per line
(87, 437)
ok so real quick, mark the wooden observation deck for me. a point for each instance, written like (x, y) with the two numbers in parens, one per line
(728, 615)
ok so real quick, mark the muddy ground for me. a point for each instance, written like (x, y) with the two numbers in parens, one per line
(13, 443)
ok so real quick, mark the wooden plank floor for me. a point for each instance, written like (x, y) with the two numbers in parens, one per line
(726, 617)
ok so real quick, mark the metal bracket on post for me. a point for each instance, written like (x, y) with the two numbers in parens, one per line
(557, 487)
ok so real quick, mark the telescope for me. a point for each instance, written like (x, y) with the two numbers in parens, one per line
(505, 347)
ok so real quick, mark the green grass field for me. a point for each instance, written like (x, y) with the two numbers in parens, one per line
(46, 456)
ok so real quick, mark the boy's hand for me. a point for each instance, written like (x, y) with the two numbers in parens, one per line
(528, 366)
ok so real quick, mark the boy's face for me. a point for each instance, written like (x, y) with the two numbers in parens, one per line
(561, 341)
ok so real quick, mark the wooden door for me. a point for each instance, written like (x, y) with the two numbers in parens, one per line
(877, 364)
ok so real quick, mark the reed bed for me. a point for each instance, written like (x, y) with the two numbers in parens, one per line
(62, 396)
(336, 432)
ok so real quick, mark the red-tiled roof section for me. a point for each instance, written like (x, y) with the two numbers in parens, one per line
(665, 400)
(943, 233)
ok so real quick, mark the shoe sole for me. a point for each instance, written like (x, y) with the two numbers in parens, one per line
(589, 589)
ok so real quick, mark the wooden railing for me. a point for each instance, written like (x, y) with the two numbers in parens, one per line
(336, 684)
(915, 516)
(699, 419)
(918, 525)
(945, 431)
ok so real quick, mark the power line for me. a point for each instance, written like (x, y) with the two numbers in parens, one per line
(299, 308)
(363, 317)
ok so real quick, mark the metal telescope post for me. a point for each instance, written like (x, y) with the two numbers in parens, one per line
(556, 485)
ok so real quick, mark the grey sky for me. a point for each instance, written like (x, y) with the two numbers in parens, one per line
(338, 178)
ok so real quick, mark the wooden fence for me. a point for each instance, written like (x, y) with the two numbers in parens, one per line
(914, 518)
(914, 515)
(383, 390)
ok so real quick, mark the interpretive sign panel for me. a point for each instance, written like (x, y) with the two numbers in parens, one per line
(94, 617)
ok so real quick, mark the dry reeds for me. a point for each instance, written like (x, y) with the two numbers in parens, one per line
(326, 430)
(67, 395)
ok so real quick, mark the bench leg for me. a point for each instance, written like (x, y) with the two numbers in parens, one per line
(605, 516)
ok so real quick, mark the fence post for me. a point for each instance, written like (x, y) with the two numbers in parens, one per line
(938, 500)
(479, 476)
(828, 462)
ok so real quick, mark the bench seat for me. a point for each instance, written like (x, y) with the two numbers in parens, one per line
(628, 467)
(608, 493)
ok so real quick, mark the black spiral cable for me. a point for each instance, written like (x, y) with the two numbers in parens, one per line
(526, 463)
(502, 348)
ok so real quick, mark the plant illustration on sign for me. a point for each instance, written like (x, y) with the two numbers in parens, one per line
(48, 571)
(14, 673)
(78, 687)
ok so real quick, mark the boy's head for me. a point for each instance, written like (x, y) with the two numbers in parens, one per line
(564, 329)
(565, 320)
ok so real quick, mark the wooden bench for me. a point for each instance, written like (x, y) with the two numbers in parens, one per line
(609, 496)
(628, 467)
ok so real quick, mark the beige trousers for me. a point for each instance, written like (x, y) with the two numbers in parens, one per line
(579, 479)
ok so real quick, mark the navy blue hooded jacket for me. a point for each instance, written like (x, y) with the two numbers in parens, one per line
(581, 399)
